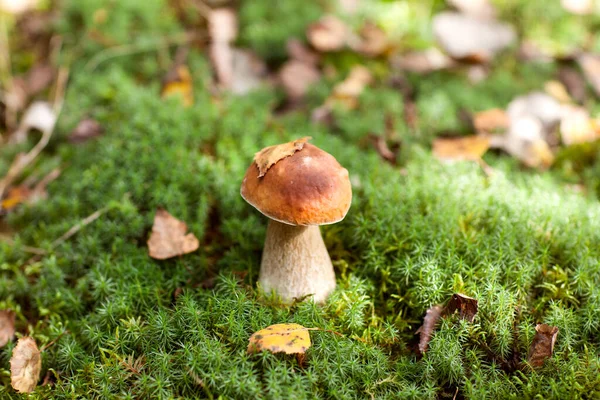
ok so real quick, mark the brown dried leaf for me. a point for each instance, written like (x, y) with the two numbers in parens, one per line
(576, 126)
(467, 306)
(461, 148)
(490, 120)
(328, 34)
(542, 345)
(178, 82)
(25, 365)
(590, 64)
(466, 37)
(168, 238)
(557, 90)
(578, 7)
(26, 193)
(296, 78)
(383, 149)
(223, 30)
(299, 52)
(86, 129)
(15, 196)
(423, 62)
(574, 82)
(426, 330)
(39, 78)
(269, 156)
(372, 41)
(348, 91)
(278, 338)
(7, 326)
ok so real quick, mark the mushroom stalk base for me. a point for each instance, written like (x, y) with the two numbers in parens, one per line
(295, 263)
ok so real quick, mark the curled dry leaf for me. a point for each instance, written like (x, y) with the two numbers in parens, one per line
(461, 148)
(542, 346)
(423, 62)
(223, 30)
(25, 365)
(168, 238)
(40, 116)
(7, 326)
(590, 65)
(469, 38)
(431, 318)
(481, 9)
(372, 41)
(466, 306)
(86, 129)
(269, 156)
(490, 120)
(178, 82)
(328, 34)
(278, 338)
(247, 73)
(383, 149)
(578, 7)
(576, 126)
(296, 78)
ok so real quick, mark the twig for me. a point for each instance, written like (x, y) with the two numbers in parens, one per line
(23, 160)
(54, 340)
(76, 228)
(29, 249)
(134, 48)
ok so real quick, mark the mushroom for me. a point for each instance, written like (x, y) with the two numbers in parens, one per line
(299, 187)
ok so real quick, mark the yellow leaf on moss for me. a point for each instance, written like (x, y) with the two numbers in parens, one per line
(460, 148)
(286, 338)
(178, 81)
(269, 156)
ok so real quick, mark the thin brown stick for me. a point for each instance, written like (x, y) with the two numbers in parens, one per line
(76, 228)
(134, 48)
(21, 161)
(54, 340)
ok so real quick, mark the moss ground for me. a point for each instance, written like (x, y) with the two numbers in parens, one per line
(127, 326)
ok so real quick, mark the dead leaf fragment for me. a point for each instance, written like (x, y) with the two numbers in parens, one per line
(278, 338)
(590, 64)
(469, 38)
(7, 326)
(40, 116)
(28, 192)
(431, 318)
(299, 52)
(461, 148)
(576, 126)
(269, 156)
(424, 61)
(557, 90)
(327, 34)
(578, 7)
(86, 129)
(372, 41)
(481, 9)
(383, 149)
(178, 82)
(296, 78)
(348, 91)
(25, 365)
(168, 238)
(490, 120)
(542, 345)
(574, 82)
(223, 30)
(39, 78)
(525, 140)
(466, 306)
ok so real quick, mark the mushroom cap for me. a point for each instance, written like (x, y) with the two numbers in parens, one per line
(307, 188)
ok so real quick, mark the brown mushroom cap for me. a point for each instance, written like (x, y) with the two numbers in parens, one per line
(307, 188)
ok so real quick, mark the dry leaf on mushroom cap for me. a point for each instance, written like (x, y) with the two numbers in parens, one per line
(269, 156)
(466, 37)
(25, 365)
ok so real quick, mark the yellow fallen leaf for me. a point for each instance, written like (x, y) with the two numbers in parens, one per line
(557, 90)
(178, 81)
(460, 148)
(286, 338)
(576, 126)
(15, 196)
(7, 326)
(490, 120)
(269, 156)
(25, 365)
(168, 238)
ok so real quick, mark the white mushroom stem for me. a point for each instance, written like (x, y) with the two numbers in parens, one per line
(295, 263)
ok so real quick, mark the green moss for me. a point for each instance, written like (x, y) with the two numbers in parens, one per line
(126, 326)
